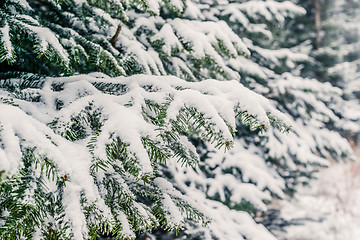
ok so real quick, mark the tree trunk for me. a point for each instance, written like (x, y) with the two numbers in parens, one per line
(317, 24)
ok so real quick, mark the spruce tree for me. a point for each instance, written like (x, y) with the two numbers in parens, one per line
(347, 70)
(95, 154)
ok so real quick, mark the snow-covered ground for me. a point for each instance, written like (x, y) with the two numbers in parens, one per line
(333, 202)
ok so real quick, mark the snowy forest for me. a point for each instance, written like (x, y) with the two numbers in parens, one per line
(179, 119)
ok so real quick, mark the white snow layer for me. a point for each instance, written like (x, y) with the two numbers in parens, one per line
(24, 124)
(5, 38)
(45, 36)
(331, 203)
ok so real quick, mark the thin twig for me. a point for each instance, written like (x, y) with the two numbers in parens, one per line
(115, 37)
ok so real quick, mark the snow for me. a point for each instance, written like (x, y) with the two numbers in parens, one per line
(23, 3)
(178, 4)
(129, 128)
(166, 34)
(154, 6)
(253, 168)
(246, 65)
(125, 226)
(5, 38)
(236, 15)
(25, 125)
(258, 168)
(148, 59)
(275, 56)
(11, 158)
(328, 208)
(192, 11)
(202, 34)
(173, 214)
(225, 223)
(46, 38)
(270, 9)
(72, 159)
(331, 203)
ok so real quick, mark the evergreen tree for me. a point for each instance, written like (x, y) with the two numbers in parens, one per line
(315, 31)
(347, 70)
(336, 189)
(91, 155)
